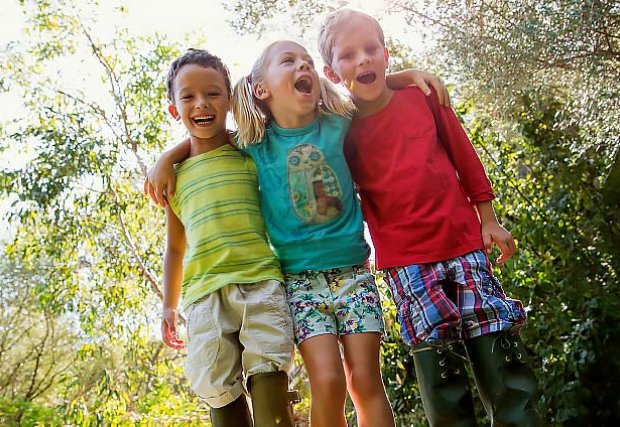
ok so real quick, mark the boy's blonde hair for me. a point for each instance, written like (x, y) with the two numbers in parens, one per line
(330, 29)
(252, 115)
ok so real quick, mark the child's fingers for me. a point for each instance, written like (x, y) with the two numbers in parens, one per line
(173, 341)
(165, 333)
(512, 248)
(152, 194)
(423, 86)
(166, 340)
(161, 198)
(503, 258)
(176, 346)
(444, 96)
(442, 91)
(231, 137)
(169, 335)
(487, 243)
(507, 249)
(170, 188)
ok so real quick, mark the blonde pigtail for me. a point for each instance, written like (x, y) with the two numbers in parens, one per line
(248, 115)
(332, 102)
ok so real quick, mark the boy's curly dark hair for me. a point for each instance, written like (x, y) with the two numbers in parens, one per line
(198, 57)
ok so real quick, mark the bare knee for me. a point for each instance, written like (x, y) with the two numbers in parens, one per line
(328, 386)
(364, 383)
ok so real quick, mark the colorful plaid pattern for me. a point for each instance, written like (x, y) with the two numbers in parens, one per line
(454, 299)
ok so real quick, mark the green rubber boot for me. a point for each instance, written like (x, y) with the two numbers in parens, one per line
(235, 414)
(443, 383)
(271, 400)
(505, 379)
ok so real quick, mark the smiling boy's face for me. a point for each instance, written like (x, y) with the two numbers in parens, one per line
(359, 60)
(200, 100)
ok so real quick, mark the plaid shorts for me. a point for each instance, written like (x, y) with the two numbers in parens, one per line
(340, 301)
(454, 299)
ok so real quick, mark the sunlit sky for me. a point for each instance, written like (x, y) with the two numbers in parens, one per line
(175, 19)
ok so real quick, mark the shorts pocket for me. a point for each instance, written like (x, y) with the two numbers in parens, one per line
(297, 283)
(394, 292)
(203, 336)
(279, 314)
(510, 310)
(491, 286)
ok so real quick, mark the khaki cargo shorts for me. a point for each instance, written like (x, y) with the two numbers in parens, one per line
(236, 332)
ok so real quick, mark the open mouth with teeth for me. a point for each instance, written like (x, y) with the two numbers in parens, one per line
(203, 120)
(366, 78)
(304, 85)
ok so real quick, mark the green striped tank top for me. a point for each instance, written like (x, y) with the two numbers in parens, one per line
(217, 201)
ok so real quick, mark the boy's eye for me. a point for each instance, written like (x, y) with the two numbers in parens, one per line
(287, 60)
(213, 94)
(186, 97)
(346, 56)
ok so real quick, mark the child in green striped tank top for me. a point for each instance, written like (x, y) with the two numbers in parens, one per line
(239, 327)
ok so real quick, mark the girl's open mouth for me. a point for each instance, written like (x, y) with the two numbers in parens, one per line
(304, 85)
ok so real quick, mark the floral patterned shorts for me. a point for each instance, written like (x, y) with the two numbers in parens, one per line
(340, 301)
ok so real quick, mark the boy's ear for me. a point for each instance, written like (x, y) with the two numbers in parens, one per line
(331, 74)
(261, 92)
(172, 109)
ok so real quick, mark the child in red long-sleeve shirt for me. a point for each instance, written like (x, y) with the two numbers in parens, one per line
(427, 201)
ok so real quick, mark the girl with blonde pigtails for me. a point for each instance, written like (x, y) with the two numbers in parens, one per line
(292, 124)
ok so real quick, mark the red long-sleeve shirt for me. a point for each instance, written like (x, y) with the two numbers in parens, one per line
(419, 178)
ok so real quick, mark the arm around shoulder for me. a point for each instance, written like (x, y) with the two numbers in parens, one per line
(421, 79)
(161, 179)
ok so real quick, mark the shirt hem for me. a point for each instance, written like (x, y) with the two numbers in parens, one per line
(428, 259)
(185, 303)
(338, 256)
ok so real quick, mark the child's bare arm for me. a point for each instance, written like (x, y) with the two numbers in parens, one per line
(173, 275)
(421, 79)
(493, 232)
(161, 180)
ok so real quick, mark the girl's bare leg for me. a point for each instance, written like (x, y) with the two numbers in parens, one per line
(328, 387)
(363, 372)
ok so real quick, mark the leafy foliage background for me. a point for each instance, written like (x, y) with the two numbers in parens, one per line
(535, 84)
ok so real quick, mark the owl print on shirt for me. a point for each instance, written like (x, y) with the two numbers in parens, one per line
(315, 192)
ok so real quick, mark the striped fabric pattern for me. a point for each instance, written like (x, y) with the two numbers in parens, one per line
(217, 201)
